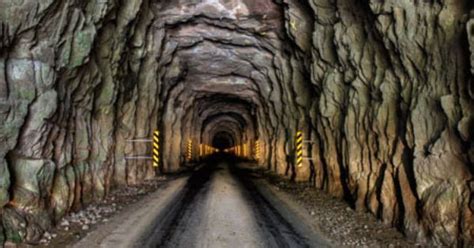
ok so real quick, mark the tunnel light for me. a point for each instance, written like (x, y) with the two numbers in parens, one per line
(207, 150)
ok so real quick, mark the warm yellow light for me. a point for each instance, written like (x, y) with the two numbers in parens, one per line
(257, 150)
(190, 150)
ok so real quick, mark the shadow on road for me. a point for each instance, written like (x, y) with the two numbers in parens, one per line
(190, 219)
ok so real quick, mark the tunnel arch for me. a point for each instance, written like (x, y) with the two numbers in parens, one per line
(229, 126)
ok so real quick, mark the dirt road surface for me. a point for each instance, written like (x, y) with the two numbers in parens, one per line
(219, 205)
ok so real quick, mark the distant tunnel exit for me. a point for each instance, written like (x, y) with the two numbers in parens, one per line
(223, 140)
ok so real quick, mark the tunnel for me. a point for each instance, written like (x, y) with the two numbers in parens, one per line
(370, 102)
(223, 140)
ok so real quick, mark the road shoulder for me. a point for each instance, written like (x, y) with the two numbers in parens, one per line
(127, 229)
(329, 216)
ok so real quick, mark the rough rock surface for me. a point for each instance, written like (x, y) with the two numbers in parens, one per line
(383, 88)
(395, 112)
(340, 223)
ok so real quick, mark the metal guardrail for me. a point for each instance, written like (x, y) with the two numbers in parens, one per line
(138, 158)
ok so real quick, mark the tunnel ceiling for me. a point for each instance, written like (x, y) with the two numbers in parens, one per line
(223, 66)
(381, 90)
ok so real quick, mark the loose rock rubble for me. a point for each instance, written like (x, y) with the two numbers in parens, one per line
(76, 225)
(338, 221)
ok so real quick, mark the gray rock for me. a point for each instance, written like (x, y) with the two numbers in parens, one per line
(470, 34)
(381, 88)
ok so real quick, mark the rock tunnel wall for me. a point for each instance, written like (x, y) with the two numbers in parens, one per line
(67, 106)
(394, 111)
(383, 89)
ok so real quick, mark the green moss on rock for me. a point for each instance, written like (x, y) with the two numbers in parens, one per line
(81, 47)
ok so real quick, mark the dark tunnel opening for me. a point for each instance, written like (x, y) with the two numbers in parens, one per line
(223, 140)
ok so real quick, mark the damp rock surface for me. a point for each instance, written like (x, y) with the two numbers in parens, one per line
(381, 89)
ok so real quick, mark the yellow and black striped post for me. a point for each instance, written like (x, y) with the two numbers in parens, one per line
(156, 148)
(299, 149)
(189, 155)
(257, 150)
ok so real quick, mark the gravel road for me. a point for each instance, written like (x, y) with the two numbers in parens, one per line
(223, 208)
(219, 205)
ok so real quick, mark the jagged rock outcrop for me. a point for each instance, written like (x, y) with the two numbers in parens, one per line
(61, 64)
(470, 36)
(383, 89)
(395, 112)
